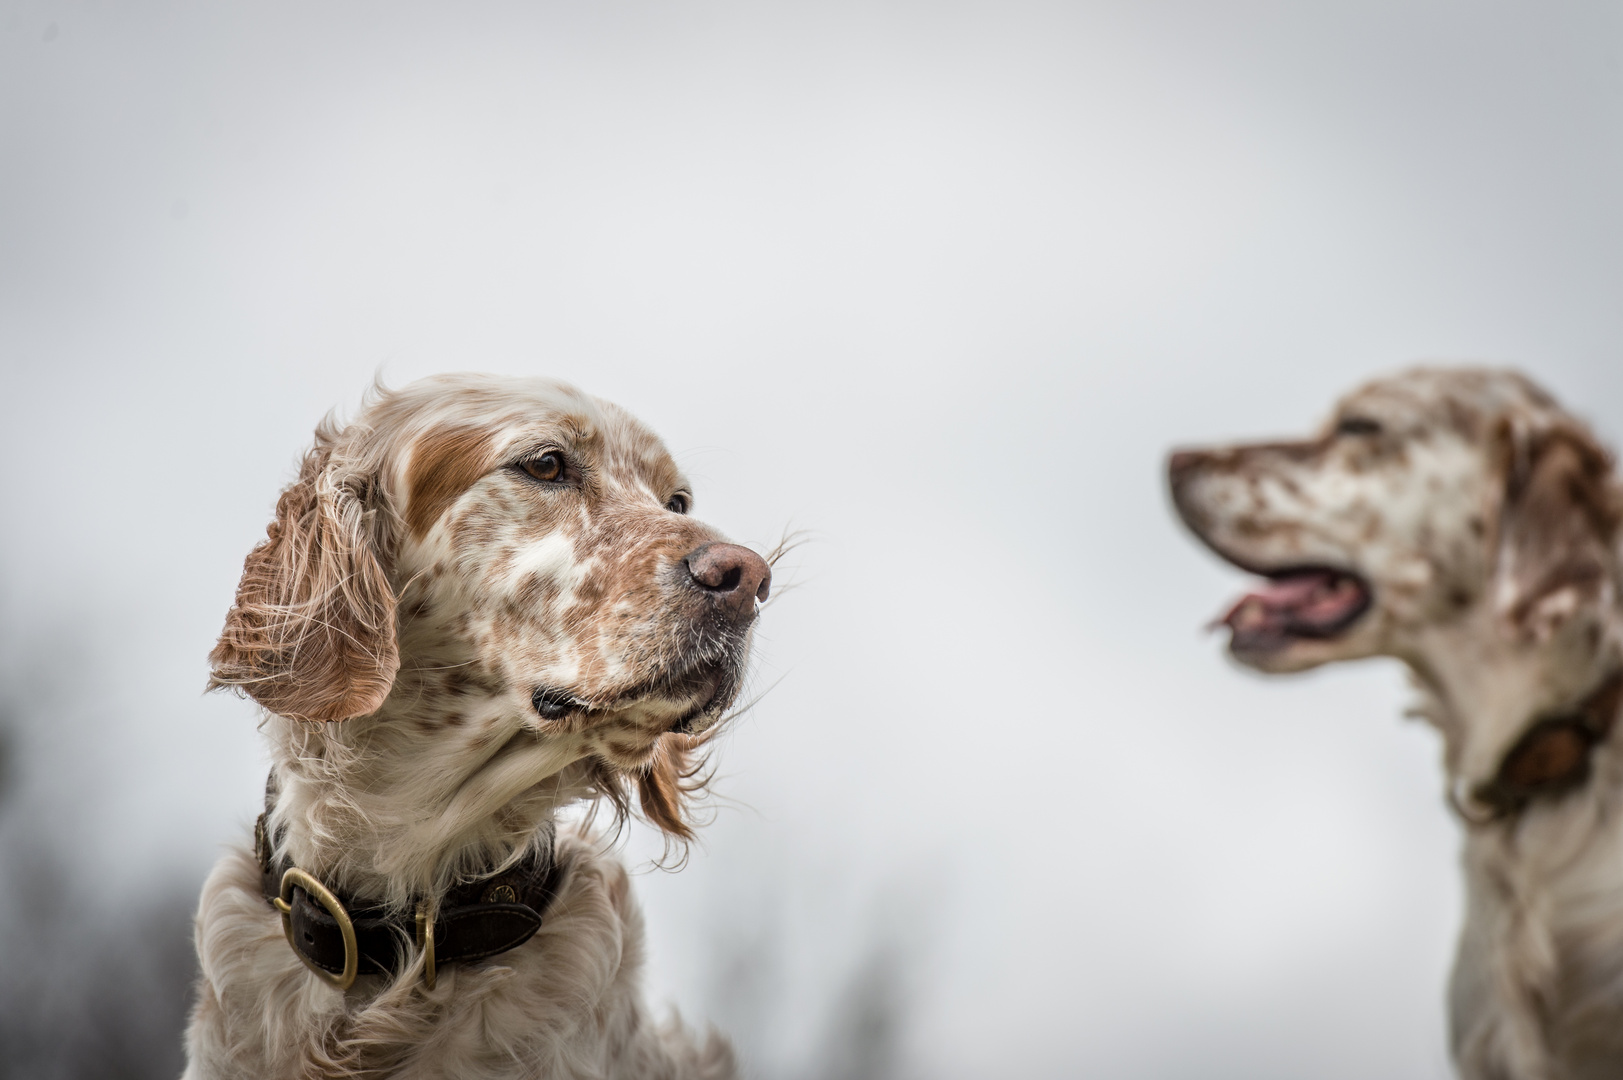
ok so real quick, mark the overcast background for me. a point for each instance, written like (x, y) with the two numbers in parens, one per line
(939, 283)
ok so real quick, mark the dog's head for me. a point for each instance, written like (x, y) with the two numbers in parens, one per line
(1456, 519)
(1424, 496)
(489, 569)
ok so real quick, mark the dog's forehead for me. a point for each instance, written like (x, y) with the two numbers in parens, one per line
(1460, 399)
(456, 429)
(626, 445)
(617, 445)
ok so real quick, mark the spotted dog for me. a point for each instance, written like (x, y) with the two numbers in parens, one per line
(482, 602)
(1462, 522)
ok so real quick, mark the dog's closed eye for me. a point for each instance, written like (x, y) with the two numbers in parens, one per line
(1357, 425)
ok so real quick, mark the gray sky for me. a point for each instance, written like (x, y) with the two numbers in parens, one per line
(939, 283)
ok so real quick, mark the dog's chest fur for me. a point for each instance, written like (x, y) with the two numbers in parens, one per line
(1542, 932)
(564, 1004)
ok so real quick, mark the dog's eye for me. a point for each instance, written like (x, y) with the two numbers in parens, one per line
(1358, 425)
(548, 468)
(680, 503)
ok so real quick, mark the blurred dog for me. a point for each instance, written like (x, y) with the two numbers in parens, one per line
(1461, 521)
(481, 602)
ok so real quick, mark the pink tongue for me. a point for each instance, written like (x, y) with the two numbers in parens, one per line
(1294, 591)
(1311, 598)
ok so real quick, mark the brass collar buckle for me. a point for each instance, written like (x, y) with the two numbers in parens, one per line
(296, 878)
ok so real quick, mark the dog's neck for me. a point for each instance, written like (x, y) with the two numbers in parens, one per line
(1483, 686)
(401, 804)
(449, 778)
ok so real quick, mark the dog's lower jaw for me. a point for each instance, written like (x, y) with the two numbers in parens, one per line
(1366, 638)
(1291, 659)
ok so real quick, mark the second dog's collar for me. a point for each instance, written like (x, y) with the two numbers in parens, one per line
(1554, 755)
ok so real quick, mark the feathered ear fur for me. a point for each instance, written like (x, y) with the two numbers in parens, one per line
(312, 634)
(1558, 527)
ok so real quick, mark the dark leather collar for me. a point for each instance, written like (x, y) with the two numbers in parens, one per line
(473, 920)
(1554, 755)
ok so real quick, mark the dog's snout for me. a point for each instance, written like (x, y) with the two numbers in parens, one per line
(733, 577)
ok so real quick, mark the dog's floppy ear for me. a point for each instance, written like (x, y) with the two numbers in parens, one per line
(312, 633)
(1558, 526)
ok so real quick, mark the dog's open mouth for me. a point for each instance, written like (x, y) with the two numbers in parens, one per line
(1311, 602)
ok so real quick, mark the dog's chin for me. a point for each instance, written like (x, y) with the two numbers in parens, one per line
(1291, 655)
(707, 707)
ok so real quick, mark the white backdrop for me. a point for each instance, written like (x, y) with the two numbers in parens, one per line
(939, 283)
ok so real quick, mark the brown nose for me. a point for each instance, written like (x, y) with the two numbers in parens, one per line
(733, 577)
